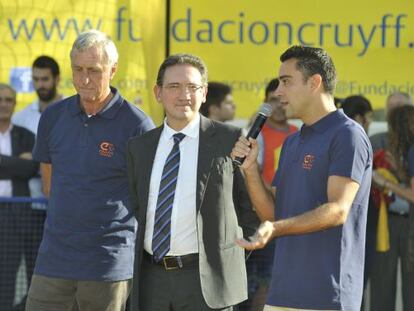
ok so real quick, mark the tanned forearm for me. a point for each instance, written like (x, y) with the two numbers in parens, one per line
(262, 199)
(46, 171)
(323, 217)
(405, 193)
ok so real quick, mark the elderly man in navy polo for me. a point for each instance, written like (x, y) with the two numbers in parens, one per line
(318, 208)
(85, 260)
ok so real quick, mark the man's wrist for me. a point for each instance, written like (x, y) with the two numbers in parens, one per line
(252, 169)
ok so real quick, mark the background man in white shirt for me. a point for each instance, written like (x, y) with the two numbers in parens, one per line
(16, 167)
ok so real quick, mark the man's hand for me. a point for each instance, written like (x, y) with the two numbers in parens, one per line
(263, 235)
(247, 149)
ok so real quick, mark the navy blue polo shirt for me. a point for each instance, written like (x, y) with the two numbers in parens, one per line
(89, 232)
(321, 270)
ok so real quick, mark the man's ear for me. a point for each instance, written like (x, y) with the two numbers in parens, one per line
(316, 82)
(157, 93)
(205, 91)
(114, 68)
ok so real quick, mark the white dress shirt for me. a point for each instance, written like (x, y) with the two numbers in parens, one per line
(6, 188)
(183, 217)
(28, 117)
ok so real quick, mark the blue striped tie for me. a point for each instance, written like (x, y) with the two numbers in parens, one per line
(162, 222)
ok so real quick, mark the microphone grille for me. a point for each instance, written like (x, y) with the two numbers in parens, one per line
(266, 109)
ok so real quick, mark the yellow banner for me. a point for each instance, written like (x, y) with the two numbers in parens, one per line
(371, 42)
(29, 29)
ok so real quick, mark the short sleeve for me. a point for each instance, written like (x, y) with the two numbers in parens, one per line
(41, 149)
(350, 154)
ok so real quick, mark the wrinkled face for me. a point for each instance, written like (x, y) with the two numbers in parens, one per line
(227, 109)
(7, 104)
(278, 112)
(293, 90)
(44, 83)
(181, 94)
(91, 75)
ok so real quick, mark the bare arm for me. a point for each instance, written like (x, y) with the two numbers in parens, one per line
(46, 171)
(262, 199)
(341, 193)
(405, 193)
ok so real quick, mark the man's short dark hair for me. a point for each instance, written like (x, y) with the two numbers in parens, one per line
(47, 62)
(217, 92)
(312, 61)
(356, 105)
(271, 87)
(182, 59)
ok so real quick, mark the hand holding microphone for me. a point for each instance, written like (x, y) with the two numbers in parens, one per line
(264, 112)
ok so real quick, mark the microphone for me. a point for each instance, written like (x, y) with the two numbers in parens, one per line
(264, 112)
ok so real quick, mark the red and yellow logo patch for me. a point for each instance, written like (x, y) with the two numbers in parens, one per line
(106, 149)
(308, 161)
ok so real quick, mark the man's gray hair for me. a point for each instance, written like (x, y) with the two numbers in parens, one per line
(96, 38)
(6, 86)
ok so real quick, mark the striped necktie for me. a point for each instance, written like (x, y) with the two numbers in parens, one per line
(162, 222)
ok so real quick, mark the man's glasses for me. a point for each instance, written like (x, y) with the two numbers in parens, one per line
(176, 88)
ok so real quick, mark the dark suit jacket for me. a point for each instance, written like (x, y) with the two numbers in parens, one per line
(14, 168)
(219, 212)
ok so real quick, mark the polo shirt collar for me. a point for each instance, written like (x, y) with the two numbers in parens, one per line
(325, 123)
(192, 129)
(108, 112)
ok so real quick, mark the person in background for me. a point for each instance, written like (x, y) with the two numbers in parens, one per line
(46, 78)
(383, 279)
(219, 104)
(359, 109)
(86, 256)
(273, 134)
(16, 228)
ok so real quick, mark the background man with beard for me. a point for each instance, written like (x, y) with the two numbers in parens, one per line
(46, 77)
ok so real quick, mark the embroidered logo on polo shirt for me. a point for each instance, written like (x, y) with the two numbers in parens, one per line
(308, 161)
(106, 149)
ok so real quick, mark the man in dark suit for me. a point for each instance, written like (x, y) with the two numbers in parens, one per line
(189, 201)
(16, 168)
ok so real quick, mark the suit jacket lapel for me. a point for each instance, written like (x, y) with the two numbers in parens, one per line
(151, 144)
(206, 150)
(15, 141)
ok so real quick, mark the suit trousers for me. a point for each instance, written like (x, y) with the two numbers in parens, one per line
(384, 273)
(51, 294)
(171, 290)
